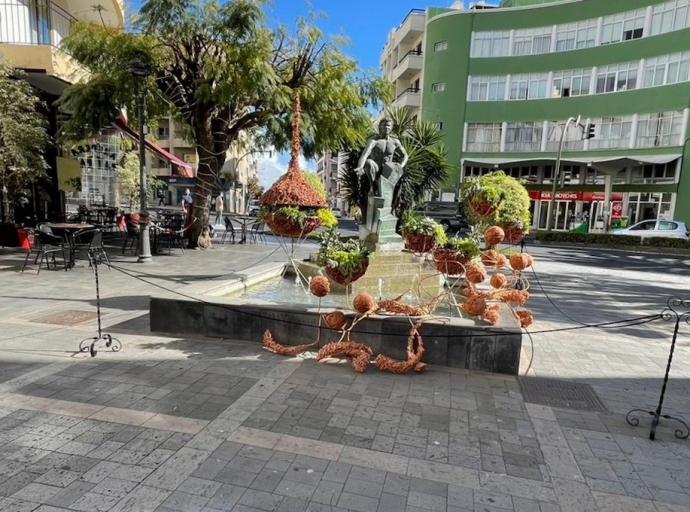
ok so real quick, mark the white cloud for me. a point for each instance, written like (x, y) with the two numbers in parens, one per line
(273, 167)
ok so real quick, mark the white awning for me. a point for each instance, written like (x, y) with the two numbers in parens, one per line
(618, 161)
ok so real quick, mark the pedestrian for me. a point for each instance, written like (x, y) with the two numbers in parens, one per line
(186, 200)
(219, 208)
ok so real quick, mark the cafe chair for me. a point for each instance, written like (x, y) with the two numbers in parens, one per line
(229, 231)
(46, 246)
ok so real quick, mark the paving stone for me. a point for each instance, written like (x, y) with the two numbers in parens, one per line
(185, 502)
(292, 505)
(39, 493)
(327, 493)
(176, 469)
(260, 500)
(131, 473)
(356, 502)
(91, 502)
(142, 499)
(226, 451)
(210, 468)
(226, 497)
(114, 487)
(295, 489)
(17, 482)
(65, 497)
(337, 472)
(426, 501)
(58, 477)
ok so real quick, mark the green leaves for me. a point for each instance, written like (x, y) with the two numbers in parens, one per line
(23, 138)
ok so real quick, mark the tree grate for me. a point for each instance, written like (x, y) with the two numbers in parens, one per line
(561, 394)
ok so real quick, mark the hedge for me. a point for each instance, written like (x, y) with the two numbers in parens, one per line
(608, 239)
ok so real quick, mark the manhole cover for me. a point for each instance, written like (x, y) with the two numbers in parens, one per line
(562, 394)
(69, 317)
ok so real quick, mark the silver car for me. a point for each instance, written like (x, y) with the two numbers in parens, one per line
(656, 227)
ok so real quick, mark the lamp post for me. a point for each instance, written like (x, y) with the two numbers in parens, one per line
(140, 70)
(557, 173)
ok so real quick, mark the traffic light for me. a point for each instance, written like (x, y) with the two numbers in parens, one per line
(589, 131)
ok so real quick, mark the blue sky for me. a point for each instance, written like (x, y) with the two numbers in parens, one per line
(365, 22)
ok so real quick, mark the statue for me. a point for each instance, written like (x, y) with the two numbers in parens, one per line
(380, 174)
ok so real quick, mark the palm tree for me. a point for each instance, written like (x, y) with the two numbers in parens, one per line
(427, 169)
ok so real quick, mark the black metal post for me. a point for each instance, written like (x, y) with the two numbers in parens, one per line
(144, 239)
(674, 312)
(89, 344)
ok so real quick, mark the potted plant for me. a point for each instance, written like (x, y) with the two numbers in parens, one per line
(452, 256)
(483, 198)
(421, 234)
(292, 207)
(343, 261)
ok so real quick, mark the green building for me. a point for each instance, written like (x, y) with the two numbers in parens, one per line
(501, 83)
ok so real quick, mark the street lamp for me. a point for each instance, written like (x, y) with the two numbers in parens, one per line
(557, 172)
(140, 69)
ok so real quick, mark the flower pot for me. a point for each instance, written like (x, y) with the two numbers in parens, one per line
(419, 242)
(482, 207)
(514, 234)
(282, 225)
(450, 261)
(336, 275)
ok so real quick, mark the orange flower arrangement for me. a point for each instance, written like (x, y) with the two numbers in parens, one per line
(513, 233)
(320, 286)
(493, 259)
(336, 320)
(494, 235)
(475, 273)
(520, 261)
(475, 305)
(498, 280)
(364, 303)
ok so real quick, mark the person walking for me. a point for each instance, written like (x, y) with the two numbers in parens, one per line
(219, 208)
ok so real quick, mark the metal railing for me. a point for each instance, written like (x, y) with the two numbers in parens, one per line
(34, 22)
(411, 52)
(409, 90)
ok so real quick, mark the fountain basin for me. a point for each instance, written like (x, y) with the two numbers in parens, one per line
(458, 343)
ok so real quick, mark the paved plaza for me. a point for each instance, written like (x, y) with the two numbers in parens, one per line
(194, 424)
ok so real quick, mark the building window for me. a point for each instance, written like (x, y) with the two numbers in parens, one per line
(612, 133)
(163, 133)
(471, 172)
(667, 69)
(571, 83)
(490, 44)
(528, 87)
(524, 136)
(617, 77)
(441, 46)
(532, 41)
(484, 137)
(659, 129)
(623, 27)
(657, 173)
(670, 16)
(575, 36)
(572, 140)
(438, 87)
(486, 88)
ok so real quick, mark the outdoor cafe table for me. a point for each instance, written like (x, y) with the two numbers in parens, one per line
(243, 220)
(66, 231)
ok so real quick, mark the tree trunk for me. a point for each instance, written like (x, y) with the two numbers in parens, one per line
(211, 159)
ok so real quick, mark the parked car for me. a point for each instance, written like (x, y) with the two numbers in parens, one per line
(337, 212)
(253, 208)
(656, 227)
(447, 214)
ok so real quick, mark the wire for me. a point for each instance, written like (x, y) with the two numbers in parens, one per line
(552, 302)
(617, 324)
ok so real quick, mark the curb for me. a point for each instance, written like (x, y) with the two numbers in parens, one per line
(659, 251)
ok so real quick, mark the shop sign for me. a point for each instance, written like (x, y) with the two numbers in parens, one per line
(617, 209)
(587, 197)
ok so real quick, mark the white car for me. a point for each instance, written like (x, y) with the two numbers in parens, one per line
(337, 212)
(656, 227)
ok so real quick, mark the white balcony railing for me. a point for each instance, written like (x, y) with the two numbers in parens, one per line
(33, 22)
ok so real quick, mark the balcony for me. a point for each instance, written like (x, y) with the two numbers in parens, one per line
(410, 65)
(411, 28)
(410, 98)
(31, 32)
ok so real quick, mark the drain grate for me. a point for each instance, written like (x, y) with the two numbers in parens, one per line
(562, 394)
(69, 317)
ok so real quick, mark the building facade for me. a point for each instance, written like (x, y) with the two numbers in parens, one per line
(501, 83)
(31, 32)
(328, 168)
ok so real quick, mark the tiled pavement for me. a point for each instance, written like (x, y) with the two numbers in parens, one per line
(207, 425)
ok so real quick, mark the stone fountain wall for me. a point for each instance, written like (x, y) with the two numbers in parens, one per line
(459, 343)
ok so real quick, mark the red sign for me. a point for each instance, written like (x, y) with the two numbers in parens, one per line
(562, 195)
(616, 209)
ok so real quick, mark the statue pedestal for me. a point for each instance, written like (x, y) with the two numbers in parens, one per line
(378, 232)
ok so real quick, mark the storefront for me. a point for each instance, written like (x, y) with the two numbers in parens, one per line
(574, 209)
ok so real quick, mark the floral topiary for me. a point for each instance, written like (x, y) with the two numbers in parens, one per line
(422, 234)
(452, 256)
(320, 286)
(343, 261)
(291, 206)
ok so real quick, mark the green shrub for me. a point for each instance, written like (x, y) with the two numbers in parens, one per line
(415, 223)
(608, 239)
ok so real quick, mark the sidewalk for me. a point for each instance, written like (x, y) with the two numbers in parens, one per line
(178, 423)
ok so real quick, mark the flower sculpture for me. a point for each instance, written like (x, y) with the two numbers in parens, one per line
(292, 207)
